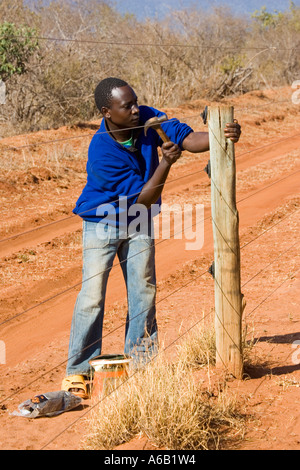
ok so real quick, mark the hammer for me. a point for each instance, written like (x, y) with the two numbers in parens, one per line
(155, 124)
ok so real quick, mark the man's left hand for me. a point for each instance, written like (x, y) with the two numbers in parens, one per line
(233, 131)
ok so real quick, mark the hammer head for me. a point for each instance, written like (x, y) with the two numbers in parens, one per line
(155, 122)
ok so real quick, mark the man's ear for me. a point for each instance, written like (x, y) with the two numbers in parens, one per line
(105, 112)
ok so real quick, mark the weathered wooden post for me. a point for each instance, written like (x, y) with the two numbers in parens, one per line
(228, 297)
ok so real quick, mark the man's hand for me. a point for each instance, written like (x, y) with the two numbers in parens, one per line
(154, 186)
(171, 152)
(233, 131)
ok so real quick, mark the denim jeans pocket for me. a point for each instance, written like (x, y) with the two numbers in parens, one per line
(95, 235)
(146, 235)
(144, 238)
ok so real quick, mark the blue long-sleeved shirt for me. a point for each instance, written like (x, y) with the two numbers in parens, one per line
(117, 173)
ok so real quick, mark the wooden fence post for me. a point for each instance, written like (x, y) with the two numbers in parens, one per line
(228, 297)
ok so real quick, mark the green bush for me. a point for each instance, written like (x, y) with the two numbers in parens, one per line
(16, 47)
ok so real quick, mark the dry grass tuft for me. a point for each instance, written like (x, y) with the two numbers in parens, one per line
(166, 403)
(198, 349)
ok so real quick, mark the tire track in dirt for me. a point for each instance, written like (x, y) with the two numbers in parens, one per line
(46, 328)
(32, 434)
(55, 315)
(58, 322)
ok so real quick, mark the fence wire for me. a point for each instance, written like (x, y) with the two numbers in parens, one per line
(98, 402)
(188, 283)
(156, 44)
(157, 243)
(169, 295)
(135, 194)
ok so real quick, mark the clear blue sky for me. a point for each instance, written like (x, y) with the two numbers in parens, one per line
(158, 8)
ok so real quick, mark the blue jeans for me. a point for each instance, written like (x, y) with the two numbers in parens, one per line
(101, 243)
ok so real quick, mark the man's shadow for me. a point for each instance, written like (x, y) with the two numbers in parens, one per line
(258, 371)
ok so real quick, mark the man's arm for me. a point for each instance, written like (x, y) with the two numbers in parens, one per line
(153, 188)
(197, 142)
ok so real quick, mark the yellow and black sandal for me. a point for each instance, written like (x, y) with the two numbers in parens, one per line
(76, 385)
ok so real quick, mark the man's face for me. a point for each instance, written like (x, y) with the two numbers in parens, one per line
(123, 111)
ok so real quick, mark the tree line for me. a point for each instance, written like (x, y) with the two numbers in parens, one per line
(53, 55)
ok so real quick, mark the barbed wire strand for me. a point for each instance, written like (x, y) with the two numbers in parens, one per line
(181, 118)
(268, 229)
(243, 110)
(234, 212)
(47, 142)
(268, 265)
(132, 195)
(290, 276)
(263, 269)
(84, 123)
(99, 207)
(145, 44)
(253, 277)
(251, 241)
(239, 348)
(95, 275)
(109, 333)
(125, 381)
(157, 243)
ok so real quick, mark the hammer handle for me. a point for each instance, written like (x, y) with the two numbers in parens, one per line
(162, 134)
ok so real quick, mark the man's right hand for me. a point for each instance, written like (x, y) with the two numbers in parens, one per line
(153, 188)
(171, 152)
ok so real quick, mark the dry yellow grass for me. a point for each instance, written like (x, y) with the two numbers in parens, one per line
(166, 403)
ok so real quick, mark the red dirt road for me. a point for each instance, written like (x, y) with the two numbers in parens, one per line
(38, 299)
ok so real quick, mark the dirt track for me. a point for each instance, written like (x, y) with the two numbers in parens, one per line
(36, 341)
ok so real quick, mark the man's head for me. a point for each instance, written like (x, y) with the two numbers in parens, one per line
(103, 92)
(117, 101)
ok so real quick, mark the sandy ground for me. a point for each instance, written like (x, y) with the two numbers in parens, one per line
(40, 261)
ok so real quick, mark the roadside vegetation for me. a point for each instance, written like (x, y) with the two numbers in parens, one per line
(183, 405)
(64, 48)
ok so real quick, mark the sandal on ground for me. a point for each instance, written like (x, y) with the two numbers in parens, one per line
(76, 385)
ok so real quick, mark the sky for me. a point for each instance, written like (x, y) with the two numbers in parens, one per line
(159, 8)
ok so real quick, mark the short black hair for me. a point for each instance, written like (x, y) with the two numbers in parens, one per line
(103, 91)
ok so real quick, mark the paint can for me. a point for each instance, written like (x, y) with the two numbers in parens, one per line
(110, 371)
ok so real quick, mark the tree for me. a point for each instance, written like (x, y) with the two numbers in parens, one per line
(267, 19)
(17, 45)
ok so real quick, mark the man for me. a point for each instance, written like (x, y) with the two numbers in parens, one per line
(123, 173)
